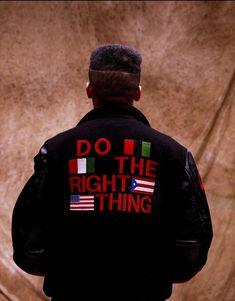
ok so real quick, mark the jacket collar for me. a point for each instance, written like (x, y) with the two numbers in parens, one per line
(115, 110)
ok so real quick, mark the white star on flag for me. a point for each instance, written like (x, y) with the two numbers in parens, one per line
(142, 185)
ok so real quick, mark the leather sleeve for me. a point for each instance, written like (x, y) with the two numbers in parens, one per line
(29, 220)
(192, 224)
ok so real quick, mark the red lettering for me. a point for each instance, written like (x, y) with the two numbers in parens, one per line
(121, 163)
(117, 201)
(151, 168)
(75, 184)
(83, 147)
(98, 146)
(101, 198)
(133, 204)
(137, 168)
(83, 183)
(124, 202)
(123, 179)
(93, 184)
(106, 183)
(146, 204)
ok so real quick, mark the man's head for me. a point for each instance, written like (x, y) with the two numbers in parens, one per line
(114, 74)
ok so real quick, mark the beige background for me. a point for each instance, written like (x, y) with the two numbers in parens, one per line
(188, 92)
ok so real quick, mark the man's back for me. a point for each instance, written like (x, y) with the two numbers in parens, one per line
(115, 210)
(115, 236)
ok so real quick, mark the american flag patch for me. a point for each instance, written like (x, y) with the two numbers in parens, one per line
(142, 185)
(82, 202)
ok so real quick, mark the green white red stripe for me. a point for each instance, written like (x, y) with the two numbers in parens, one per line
(137, 147)
(82, 166)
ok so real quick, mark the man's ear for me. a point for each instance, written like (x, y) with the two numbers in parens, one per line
(89, 90)
(137, 94)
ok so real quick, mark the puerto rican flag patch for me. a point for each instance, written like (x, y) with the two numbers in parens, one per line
(142, 185)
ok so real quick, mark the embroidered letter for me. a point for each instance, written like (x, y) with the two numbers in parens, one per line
(102, 150)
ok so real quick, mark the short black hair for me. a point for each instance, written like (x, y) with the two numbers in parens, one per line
(114, 71)
(116, 57)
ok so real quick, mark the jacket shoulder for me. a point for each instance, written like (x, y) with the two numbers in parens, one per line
(61, 140)
(168, 146)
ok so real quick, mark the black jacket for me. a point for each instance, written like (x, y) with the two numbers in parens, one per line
(114, 209)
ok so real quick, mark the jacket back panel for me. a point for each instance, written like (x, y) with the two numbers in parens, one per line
(110, 204)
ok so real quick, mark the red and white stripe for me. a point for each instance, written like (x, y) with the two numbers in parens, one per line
(144, 185)
(86, 203)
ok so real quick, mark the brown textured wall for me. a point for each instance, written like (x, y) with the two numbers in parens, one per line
(188, 92)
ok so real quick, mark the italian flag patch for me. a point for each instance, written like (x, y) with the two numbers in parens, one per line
(137, 147)
(82, 166)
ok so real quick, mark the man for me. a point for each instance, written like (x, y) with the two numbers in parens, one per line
(115, 210)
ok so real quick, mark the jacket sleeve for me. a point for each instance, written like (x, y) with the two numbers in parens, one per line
(29, 219)
(192, 224)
